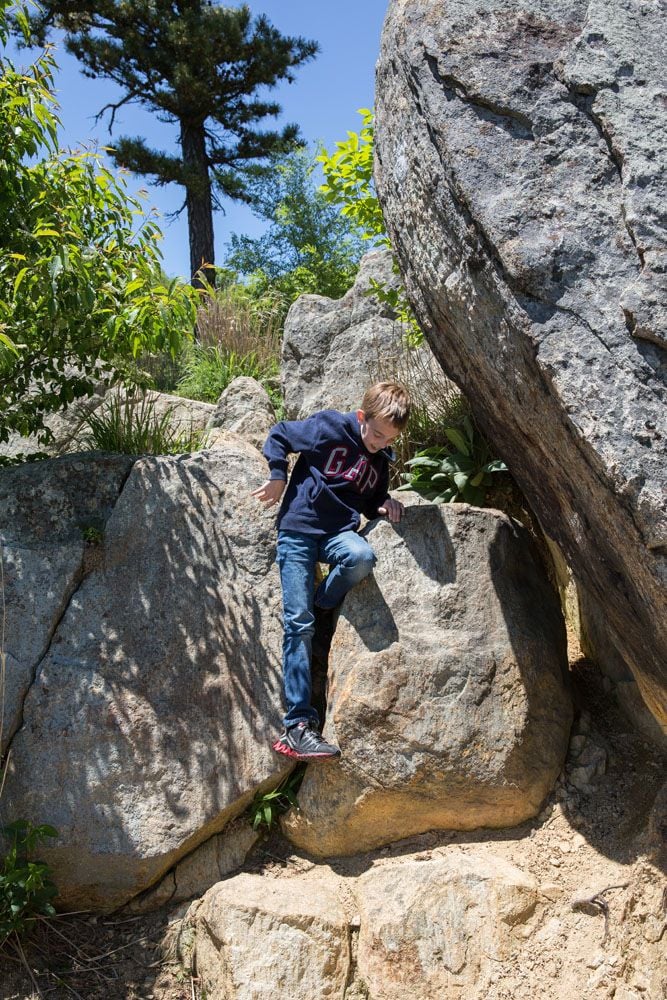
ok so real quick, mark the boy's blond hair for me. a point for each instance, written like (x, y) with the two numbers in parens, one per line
(388, 401)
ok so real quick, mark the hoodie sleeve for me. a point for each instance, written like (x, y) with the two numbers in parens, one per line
(287, 437)
(379, 494)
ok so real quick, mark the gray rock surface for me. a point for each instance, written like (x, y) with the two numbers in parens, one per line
(332, 347)
(440, 928)
(67, 427)
(46, 511)
(446, 691)
(520, 165)
(186, 416)
(212, 861)
(245, 409)
(258, 938)
(157, 676)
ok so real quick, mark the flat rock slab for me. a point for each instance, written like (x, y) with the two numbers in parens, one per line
(520, 166)
(145, 728)
(446, 687)
(439, 928)
(258, 938)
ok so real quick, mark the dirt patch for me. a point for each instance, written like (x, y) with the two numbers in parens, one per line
(597, 851)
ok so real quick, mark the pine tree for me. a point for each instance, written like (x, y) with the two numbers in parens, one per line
(198, 66)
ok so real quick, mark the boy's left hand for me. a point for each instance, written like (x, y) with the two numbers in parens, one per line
(393, 509)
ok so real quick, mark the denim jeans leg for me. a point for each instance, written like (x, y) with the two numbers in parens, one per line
(296, 557)
(351, 559)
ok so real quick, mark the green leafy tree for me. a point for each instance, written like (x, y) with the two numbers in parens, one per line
(349, 184)
(81, 289)
(198, 66)
(350, 187)
(309, 245)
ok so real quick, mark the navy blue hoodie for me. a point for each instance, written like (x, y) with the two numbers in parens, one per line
(335, 479)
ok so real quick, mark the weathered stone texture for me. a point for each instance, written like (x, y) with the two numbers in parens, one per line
(207, 864)
(45, 511)
(446, 687)
(440, 928)
(244, 408)
(332, 347)
(144, 731)
(258, 938)
(520, 165)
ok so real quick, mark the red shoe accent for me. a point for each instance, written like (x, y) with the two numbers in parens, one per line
(281, 747)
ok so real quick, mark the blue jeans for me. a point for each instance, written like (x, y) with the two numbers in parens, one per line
(351, 559)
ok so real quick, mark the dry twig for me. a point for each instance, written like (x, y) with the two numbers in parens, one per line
(597, 904)
(122, 947)
(17, 944)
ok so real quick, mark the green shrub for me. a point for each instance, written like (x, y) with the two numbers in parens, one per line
(26, 888)
(132, 426)
(349, 183)
(458, 474)
(350, 186)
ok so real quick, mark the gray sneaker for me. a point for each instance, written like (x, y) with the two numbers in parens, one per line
(305, 742)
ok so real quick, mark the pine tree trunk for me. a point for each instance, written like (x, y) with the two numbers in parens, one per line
(198, 200)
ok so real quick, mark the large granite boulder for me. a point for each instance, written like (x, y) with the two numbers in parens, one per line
(332, 348)
(446, 687)
(520, 166)
(147, 655)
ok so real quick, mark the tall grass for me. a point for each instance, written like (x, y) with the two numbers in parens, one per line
(239, 324)
(236, 335)
(132, 426)
(207, 370)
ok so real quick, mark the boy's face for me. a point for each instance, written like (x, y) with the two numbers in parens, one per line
(376, 433)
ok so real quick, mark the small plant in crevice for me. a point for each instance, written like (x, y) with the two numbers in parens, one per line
(266, 807)
(460, 473)
(26, 886)
(91, 534)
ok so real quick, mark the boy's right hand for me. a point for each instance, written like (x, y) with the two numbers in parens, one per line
(270, 492)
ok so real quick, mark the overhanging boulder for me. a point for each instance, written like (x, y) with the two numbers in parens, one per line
(520, 165)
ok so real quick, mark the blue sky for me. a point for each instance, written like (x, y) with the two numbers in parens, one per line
(323, 101)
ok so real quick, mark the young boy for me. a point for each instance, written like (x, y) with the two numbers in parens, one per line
(342, 472)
